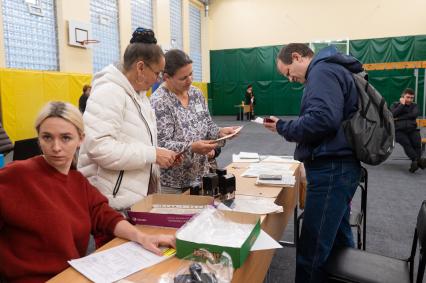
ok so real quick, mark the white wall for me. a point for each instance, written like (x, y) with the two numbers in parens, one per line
(251, 23)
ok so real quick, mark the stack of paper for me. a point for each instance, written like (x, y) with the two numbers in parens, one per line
(268, 168)
(247, 157)
(280, 159)
(286, 180)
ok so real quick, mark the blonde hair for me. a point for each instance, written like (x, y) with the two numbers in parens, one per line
(65, 111)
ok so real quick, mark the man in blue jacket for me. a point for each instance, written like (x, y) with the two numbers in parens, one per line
(329, 97)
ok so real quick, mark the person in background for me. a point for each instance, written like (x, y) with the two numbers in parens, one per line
(250, 100)
(83, 98)
(330, 96)
(58, 207)
(184, 124)
(405, 113)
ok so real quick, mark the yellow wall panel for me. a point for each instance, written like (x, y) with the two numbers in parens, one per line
(75, 86)
(55, 87)
(203, 87)
(23, 93)
(21, 99)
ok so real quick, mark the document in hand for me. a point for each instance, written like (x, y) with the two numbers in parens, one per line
(258, 120)
(116, 263)
(236, 131)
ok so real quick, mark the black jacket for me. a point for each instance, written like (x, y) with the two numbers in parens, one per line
(405, 116)
(82, 102)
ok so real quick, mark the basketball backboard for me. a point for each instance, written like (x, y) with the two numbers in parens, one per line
(79, 32)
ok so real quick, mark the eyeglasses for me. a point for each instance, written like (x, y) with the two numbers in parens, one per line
(158, 74)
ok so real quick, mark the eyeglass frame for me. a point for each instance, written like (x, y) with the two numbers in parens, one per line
(159, 75)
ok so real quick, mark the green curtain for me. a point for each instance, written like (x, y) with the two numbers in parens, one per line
(232, 70)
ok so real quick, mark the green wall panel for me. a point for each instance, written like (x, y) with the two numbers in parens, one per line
(233, 69)
(390, 49)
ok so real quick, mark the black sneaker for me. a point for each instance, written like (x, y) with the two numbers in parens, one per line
(414, 166)
(422, 163)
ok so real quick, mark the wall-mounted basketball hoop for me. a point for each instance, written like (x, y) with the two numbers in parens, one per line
(80, 34)
(88, 42)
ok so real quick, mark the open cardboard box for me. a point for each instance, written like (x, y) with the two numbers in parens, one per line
(238, 254)
(140, 213)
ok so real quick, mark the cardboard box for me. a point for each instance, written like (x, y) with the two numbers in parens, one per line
(238, 255)
(140, 213)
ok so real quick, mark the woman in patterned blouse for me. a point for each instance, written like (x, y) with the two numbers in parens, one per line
(184, 124)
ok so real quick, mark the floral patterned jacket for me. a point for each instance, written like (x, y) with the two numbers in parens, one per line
(177, 128)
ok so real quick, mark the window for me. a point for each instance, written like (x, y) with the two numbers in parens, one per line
(30, 36)
(176, 24)
(195, 41)
(104, 19)
(142, 14)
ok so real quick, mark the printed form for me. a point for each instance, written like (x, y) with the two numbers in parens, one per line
(116, 263)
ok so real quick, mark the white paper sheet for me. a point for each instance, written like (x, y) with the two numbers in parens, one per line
(249, 155)
(280, 159)
(268, 168)
(116, 263)
(265, 242)
(258, 120)
(255, 205)
(285, 181)
(236, 159)
(236, 131)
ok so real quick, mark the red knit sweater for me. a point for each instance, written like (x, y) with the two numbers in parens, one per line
(46, 218)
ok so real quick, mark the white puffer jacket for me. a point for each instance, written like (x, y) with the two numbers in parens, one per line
(118, 139)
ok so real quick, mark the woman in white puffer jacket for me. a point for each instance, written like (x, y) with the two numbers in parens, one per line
(119, 155)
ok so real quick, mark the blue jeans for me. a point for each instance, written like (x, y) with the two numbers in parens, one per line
(331, 184)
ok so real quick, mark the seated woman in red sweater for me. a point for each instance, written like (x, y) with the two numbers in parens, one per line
(48, 209)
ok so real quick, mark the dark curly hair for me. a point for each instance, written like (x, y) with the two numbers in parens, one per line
(143, 46)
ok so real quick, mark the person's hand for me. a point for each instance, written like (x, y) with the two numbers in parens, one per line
(211, 154)
(152, 242)
(227, 131)
(402, 100)
(203, 146)
(165, 157)
(179, 158)
(272, 126)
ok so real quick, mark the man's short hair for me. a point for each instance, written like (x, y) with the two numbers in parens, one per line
(301, 48)
(409, 91)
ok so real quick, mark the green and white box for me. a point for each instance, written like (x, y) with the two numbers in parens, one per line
(219, 231)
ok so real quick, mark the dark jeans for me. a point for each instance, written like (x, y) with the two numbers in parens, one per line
(331, 184)
(411, 142)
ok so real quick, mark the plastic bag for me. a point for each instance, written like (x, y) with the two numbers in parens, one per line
(202, 266)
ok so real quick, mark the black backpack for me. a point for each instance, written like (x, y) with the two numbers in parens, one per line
(371, 130)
